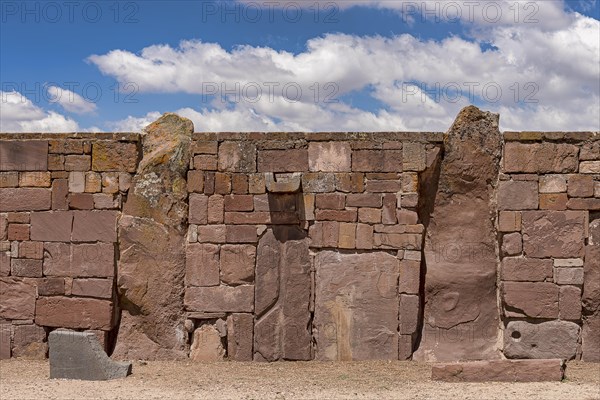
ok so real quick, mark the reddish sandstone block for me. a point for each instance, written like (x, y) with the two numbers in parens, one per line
(93, 182)
(92, 260)
(50, 286)
(241, 234)
(408, 314)
(406, 217)
(237, 264)
(110, 182)
(51, 226)
(220, 298)
(590, 151)
(500, 371)
(581, 186)
(569, 303)
(329, 156)
(26, 268)
(4, 263)
(324, 234)
(330, 201)
(205, 147)
(76, 182)
(33, 250)
(198, 209)
(34, 179)
(66, 146)
(24, 155)
(377, 161)
(81, 201)
(114, 156)
(369, 215)
(410, 276)
(212, 234)
(240, 328)
(205, 162)
(18, 232)
(18, 217)
(517, 195)
(364, 200)
(216, 206)
(336, 215)
(318, 182)
(553, 201)
(349, 182)
(239, 202)
(18, 299)
(78, 163)
(239, 184)
(530, 299)
(57, 259)
(209, 183)
(256, 184)
(75, 313)
(9, 179)
(60, 191)
(364, 236)
(526, 269)
(347, 236)
(195, 181)
(106, 201)
(24, 199)
(414, 156)
(568, 276)
(377, 186)
(584, 204)
(540, 157)
(589, 167)
(512, 244)
(397, 241)
(202, 265)
(553, 233)
(292, 160)
(222, 183)
(237, 157)
(388, 212)
(100, 288)
(553, 184)
(29, 341)
(56, 162)
(92, 226)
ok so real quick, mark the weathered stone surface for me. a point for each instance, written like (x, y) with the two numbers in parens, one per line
(237, 157)
(51, 226)
(590, 338)
(535, 300)
(220, 298)
(24, 155)
(26, 268)
(540, 157)
(240, 329)
(282, 296)
(89, 260)
(79, 355)
(114, 156)
(460, 247)
(29, 342)
(5, 342)
(569, 303)
(101, 288)
(152, 234)
(526, 269)
(517, 195)
(92, 226)
(76, 313)
(283, 160)
(202, 265)
(512, 244)
(237, 264)
(591, 285)
(553, 184)
(356, 312)
(25, 199)
(329, 156)
(500, 371)
(18, 299)
(206, 344)
(288, 183)
(553, 233)
(552, 339)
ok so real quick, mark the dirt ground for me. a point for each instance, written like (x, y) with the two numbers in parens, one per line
(285, 380)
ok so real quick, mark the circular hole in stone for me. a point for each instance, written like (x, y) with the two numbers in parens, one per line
(533, 345)
(516, 335)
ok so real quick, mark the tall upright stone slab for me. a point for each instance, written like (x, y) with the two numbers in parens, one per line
(461, 318)
(152, 246)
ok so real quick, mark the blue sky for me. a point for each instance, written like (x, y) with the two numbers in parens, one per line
(318, 65)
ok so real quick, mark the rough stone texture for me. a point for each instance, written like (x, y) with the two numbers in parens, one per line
(240, 337)
(5, 342)
(25, 199)
(152, 245)
(356, 306)
(500, 371)
(237, 264)
(460, 246)
(512, 244)
(540, 157)
(220, 298)
(552, 339)
(553, 233)
(29, 342)
(517, 195)
(329, 156)
(114, 156)
(535, 300)
(590, 340)
(76, 313)
(237, 157)
(79, 355)
(282, 296)
(52, 226)
(524, 269)
(91, 226)
(202, 265)
(18, 299)
(206, 344)
(24, 156)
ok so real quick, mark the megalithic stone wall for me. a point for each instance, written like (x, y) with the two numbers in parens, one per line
(294, 246)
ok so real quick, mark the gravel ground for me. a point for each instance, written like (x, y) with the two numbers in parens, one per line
(285, 380)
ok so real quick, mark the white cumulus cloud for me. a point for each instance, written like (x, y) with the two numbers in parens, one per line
(19, 114)
(70, 101)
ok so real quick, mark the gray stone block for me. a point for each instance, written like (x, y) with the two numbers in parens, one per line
(79, 355)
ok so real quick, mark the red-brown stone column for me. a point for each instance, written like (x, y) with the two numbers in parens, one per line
(461, 319)
(152, 233)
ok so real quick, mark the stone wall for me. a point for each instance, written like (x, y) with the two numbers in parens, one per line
(293, 246)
